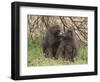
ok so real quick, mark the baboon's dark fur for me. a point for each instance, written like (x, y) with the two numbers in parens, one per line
(51, 41)
(68, 46)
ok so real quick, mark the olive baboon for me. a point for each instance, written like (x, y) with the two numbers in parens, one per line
(51, 41)
(68, 46)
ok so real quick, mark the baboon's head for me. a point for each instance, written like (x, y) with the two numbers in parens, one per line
(55, 30)
(68, 35)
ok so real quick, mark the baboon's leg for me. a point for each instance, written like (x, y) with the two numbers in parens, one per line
(60, 51)
(50, 53)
